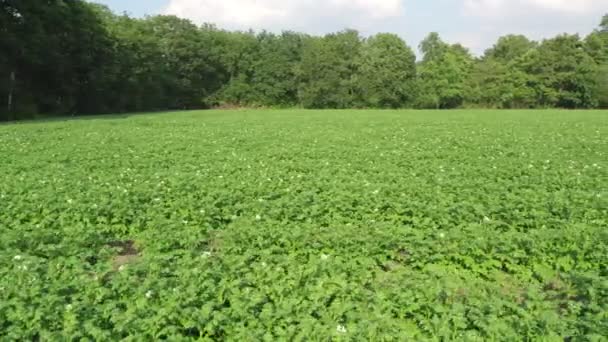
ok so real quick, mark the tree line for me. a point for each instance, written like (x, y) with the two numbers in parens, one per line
(61, 57)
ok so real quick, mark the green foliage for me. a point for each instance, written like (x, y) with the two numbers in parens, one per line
(433, 48)
(327, 71)
(568, 73)
(63, 57)
(596, 45)
(560, 72)
(602, 86)
(55, 51)
(499, 80)
(274, 78)
(510, 47)
(298, 225)
(237, 58)
(444, 74)
(386, 74)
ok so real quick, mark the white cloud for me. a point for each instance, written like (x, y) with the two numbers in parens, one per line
(495, 7)
(284, 14)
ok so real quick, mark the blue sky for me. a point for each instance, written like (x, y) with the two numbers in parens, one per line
(474, 23)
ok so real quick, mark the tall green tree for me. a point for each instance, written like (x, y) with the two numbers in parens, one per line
(510, 47)
(53, 53)
(433, 48)
(190, 70)
(238, 50)
(10, 18)
(567, 72)
(274, 76)
(327, 71)
(139, 73)
(386, 75)
(71, 56)
(495, 82)
(601, 86)
(596, 45)
(443, 74)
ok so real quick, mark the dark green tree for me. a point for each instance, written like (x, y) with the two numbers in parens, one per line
(386, 72)
(327, 71)
(238, 51)
(62, 57)
(596, 44)
(495, 82)
(568, 73)
(52, 57)
(274, 78)
(190, 70)
(433, 48)
(443, 74)
(509, 48)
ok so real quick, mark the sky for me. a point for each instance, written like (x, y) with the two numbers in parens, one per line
(476, 24)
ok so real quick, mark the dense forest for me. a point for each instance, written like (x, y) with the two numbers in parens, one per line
(61, 57)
